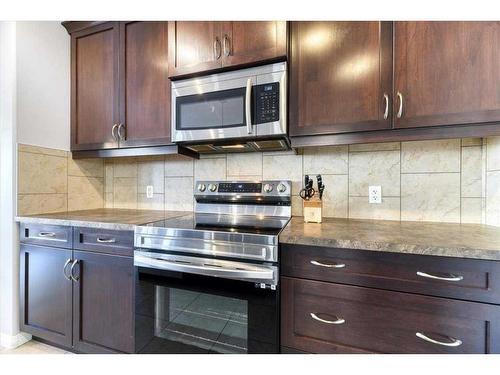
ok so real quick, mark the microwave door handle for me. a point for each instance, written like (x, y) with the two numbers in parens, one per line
(248, 105)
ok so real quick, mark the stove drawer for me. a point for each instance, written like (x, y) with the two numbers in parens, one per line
(106, 241)
(321, 317)
(468, 279)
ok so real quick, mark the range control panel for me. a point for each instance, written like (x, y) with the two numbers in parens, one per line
(240, 187)
(267, 103)
(257, 188)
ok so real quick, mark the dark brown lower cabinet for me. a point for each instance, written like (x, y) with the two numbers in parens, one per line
(320, 317)
(46, 294)
(103, 308)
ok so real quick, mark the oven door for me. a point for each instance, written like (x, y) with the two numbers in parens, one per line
(181, 312)
(213, 110)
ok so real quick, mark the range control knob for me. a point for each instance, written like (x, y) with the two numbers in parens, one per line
(268, 188)
(281, 188)
(212, 187)
(202, 187)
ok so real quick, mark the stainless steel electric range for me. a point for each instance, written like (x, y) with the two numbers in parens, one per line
(208, 281)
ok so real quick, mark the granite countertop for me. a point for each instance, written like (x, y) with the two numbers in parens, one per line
(104, 218)
(474, 241)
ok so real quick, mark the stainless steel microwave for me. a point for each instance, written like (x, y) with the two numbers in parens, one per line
(244, 106)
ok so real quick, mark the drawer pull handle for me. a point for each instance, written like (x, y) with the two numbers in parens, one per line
(453, 341)
(336, 321)
(46, 234)
(106, 240)
(331, 265)
(445, 278)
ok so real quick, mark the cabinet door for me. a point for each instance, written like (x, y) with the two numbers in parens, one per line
(245, 42)
(94, 87)
(103, 307)
(194, 46)
(340, 77)
(45, 293)
(145, 87)
(446, 73)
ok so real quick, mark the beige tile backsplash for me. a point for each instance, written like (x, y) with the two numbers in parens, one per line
(455, 180)
(50, 181)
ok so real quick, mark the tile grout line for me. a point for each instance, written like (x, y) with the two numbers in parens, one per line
(461, 173)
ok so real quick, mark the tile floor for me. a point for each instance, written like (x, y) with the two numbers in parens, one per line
(34, 347)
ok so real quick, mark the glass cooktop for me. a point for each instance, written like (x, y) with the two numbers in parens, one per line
(224, 223)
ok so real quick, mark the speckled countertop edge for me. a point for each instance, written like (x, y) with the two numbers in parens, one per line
(76, 223)
(388, 247)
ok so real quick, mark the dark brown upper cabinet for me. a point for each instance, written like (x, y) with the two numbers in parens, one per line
(194, 46)
(144, 83)
(246, 42)
(340, 77)
(202, 46)
(446, 73)
(120, 87)
(95, 87)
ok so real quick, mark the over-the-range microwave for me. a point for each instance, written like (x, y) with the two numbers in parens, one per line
(242, 110)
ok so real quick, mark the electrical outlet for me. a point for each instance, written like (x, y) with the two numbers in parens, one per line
(375, 194)
(149, 191)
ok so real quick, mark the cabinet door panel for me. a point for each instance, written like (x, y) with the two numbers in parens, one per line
(145, 89)
(246, 42)
(340, 72)
(103, 303)
(45, 294)
(95, 86)
(194, 46)
(447, 72)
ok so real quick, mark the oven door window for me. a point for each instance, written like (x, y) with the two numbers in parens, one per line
(211, 110)
(193, 314)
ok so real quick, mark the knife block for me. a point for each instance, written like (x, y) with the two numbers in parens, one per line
(313, 210)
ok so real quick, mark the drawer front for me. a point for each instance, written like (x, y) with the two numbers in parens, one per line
(46, 235)
(321, 317)
(468, 279)
(104, 241)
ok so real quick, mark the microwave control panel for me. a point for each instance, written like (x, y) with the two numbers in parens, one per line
(266, 103)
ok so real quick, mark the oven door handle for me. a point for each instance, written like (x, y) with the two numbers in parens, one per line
(248, 105)
(210, 267)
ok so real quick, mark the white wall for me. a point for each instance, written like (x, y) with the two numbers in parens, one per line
(43, 84)
(9, 254)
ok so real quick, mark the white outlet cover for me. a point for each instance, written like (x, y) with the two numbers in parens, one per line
(149, 191)
(375, 194)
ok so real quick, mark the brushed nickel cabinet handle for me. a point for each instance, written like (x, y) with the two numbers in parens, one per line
(227, 46)
(386, 111)
(72, 269)
(64, 269)
(106, 240)
(115, 137)
(453, 341)
(400, 110)
(449, 277)
(217, 48)
(328, 265)
(120, 135)
(46, 234)
(337, 320)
